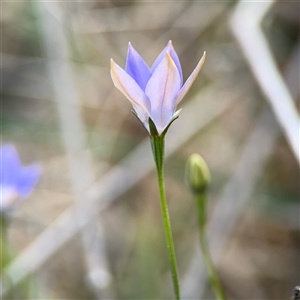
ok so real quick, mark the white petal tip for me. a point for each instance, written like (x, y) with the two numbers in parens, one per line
(177, 112)
(112, 64)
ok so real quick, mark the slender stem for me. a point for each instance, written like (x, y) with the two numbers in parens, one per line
(212, 274)
(158, 153)
(5, 255)
(4, 259)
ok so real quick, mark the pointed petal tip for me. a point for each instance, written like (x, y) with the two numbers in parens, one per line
(190, 79)
(130, 51)
(177, 113)
(170, 44)
(201, 61)
(112, 65)
(203, 57)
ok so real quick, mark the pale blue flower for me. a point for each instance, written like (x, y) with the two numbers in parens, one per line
(16, 181)
(154, 92)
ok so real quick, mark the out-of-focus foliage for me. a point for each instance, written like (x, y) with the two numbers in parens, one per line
(260, 259)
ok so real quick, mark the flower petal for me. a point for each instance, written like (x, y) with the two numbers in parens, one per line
(142, 115)
(169, 48)
(162, 88)
(27, 180)
(137, 68)
(128, 86)
(10, 165)
(8, 197)
(190, 80)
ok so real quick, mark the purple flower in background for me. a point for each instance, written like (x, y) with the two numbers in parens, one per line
(16, 181)
(154, 92)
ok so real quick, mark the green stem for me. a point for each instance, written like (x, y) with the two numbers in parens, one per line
(212, 274)
(157, 144)
(5, 255)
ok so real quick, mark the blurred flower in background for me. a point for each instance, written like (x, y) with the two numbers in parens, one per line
(16, 181)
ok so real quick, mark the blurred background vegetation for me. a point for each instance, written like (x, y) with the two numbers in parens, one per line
(92, 229)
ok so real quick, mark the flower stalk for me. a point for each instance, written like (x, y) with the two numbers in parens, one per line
(158, 144)
(155, 94)
(214, 280)
(198, 178)
(5, 254)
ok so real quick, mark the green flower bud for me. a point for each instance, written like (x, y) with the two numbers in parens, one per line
(197, 173)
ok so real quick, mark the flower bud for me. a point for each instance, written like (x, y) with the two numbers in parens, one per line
(197, 173)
